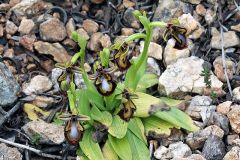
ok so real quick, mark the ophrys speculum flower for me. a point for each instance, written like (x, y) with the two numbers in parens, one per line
(126, 113)
(173, 30)
(67, 76)
(73, 130)
(122, 57)
(104, 82)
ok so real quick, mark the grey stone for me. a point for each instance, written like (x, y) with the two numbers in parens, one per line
(201, 108)
(152, 66)
(9, 153)
(192, 1)
(196, 140)
(220, 120)
(49, 133)
(214, 148)
(180, 150)
(230, 40)
(8, 86)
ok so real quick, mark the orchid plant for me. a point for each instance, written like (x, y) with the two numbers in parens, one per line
(113, 119)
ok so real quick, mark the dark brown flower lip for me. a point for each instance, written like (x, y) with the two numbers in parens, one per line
(178, 34)
(102, 80)
(73, 124)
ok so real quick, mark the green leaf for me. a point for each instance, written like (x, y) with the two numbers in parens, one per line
(143, 104)
(104, 56)
(135, 73)
(157, 126)
(170, 101)
(121, 147)
(118, 128)
(34, 112)
(103, 117)
(108, 152)
(144, 107)
(115, 99)
(82, 101)
(148, 80)
(136, 126)
(96, 98)
(139, 148)
(177, 118)
(91, 149)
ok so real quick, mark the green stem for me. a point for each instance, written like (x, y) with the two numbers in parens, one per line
(146, 46)
(158, 24)
(135, 36)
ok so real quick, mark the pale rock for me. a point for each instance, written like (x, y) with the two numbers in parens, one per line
(127, 31)
(26, 26)
(196, 140)
(155, 50)
(90, 26)
(37, 85)
(230, 40)
(55, 49)
(97, 1)
(94, 43)
(171, 54)
(236, 27)
(27, 42)
(179, 150)
(1, 30)
(232, 138)
(210, 16)
(162, 153)
(30, 7)
(152, 66)
(50, 133)
(128, 3)
(185, 76)
(43, 101)
(9, 53)
(52, 30)
(194, 28)
(11, 28)
(224, 107)
(201, 108)
(236, 93)
(234, 118)
(105, 41)
(192, 157)
(70, 27)
(14, 2)
(83, 33)
(219, 70)
(192, 1)
(233, 154)
(69, 43)
(9, 153)
(201, 10)
(4, 7)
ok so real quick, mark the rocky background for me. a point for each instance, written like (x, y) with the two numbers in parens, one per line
(35, 34)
